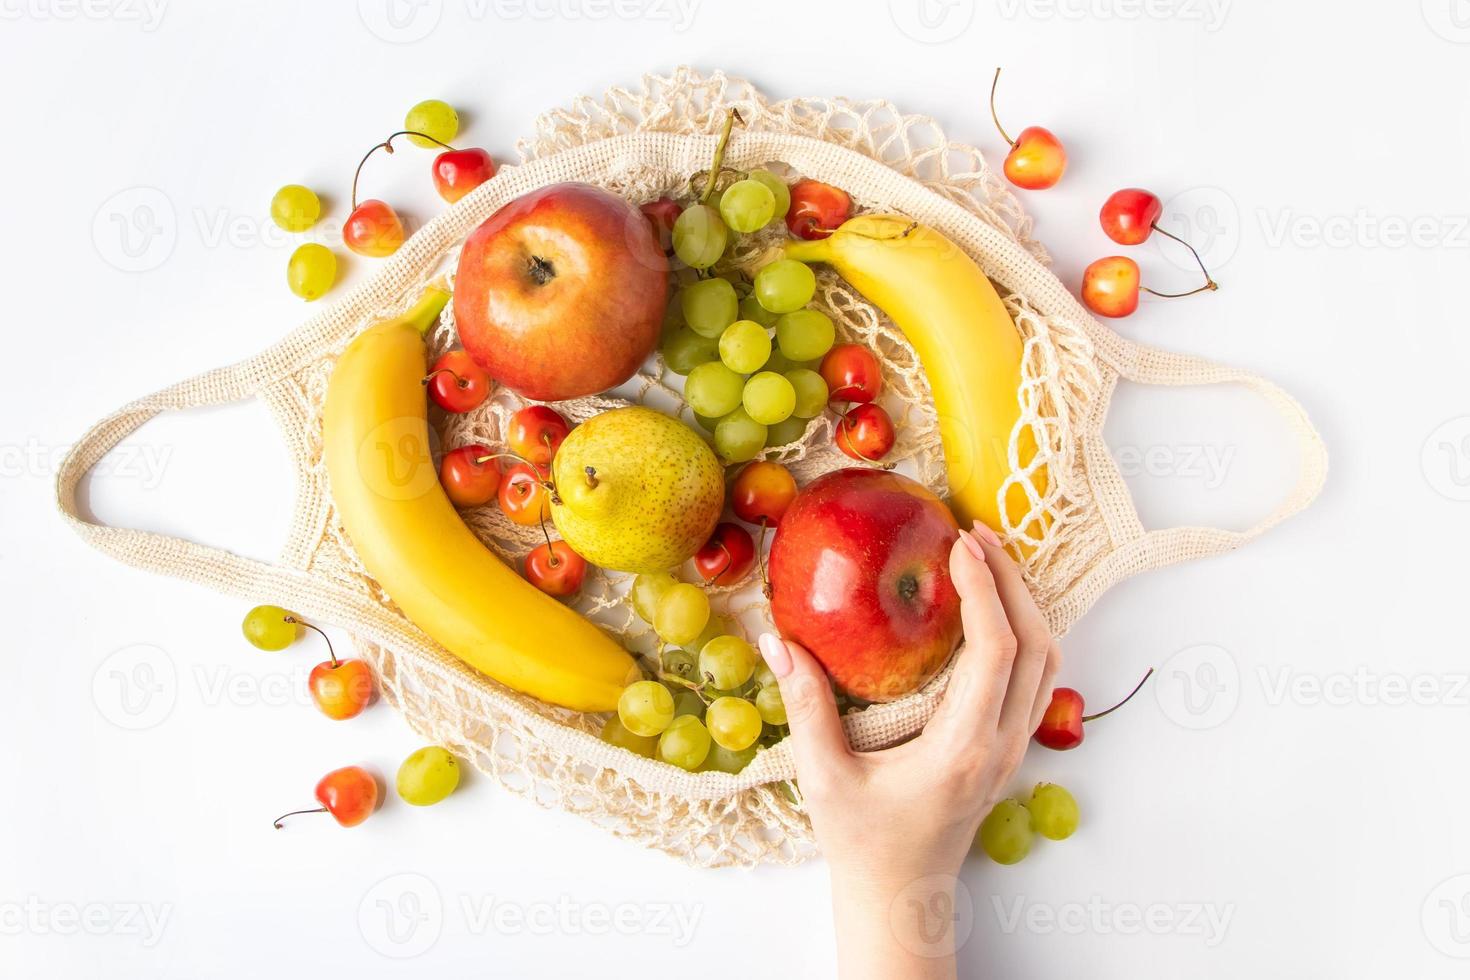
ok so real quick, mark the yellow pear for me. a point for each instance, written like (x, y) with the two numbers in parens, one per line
(636, 490)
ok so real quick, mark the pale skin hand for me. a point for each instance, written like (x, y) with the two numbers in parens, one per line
(895, 825)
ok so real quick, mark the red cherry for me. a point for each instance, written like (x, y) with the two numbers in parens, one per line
(457, 384)
(1061, 725)
(661, 215)
(865, 433)
(457, 172)
(535, 432)
(523, 496)
(761, 493)
(852, 373)
(373, 229)
(341, 688)
(1128, 215)
(555, 568)
(349, 794)
(1037, 158)
(1110, 286)
(727, 557)
(816, 209)
(467, 480)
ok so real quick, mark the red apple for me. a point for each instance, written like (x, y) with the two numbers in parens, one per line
(859, 575)
(561, 293)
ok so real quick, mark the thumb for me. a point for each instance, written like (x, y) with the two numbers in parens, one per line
(817, 740)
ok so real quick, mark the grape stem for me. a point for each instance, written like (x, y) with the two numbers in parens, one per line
(330, 652)
(731, 118)
(1120, 704)
(1003, 134)
(278, 824)
(387, 146)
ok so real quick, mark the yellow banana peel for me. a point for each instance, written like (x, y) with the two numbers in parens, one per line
(411, 539)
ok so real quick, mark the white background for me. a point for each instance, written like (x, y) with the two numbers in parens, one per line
(1297, 140)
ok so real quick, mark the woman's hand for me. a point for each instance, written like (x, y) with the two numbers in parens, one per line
(895, 825)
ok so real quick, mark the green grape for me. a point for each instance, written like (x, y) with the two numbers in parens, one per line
(733, 722)
(713, 389)
(700, 236)
(709, 306)
(1005, 833)
(785, 432)
(685, 743)
(432, 118)
(1053, 811)
(721, 759)
(717, 626)
(738, 437)
(681, 613)
(811, 392)
(684, 350)
(785, 286)
(427, 776)
(727, 662)
(270, 627)
(768, 702)
(688, 703)
(747, 205)
(769, 398)
(648, 589)
(614, 732)
(805, 335)
(295, 208)
(745, 346)
(645, 707)
(777, 362)
(679, 662)
(311, 271)
(751, 309)
(673, 319)
(779, 191)
(763, 675)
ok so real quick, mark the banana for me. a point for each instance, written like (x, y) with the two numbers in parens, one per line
(411, 539)
(966, 341)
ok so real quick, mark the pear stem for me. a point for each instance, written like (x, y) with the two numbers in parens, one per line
(591, 477)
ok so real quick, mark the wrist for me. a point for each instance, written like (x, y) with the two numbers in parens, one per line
(896, 924)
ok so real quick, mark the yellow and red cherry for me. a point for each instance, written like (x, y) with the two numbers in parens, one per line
(524, 497)
(1110, 286)
(817, 209)
(535, 432)
(349, 794)
(1037, 158)
(469, 476)
(456, 383)
(373, 229)
(762, 492)
(1061, 725)
(556, 569)
(865, 433)
(1129, 216)
(727, 557)
(457, 172)
(852, 373)
(341, 688)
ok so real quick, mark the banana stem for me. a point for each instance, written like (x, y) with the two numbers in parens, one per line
(426, 309)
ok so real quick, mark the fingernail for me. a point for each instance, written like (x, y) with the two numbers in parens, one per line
(972, 545)
(778, 658)
(985, 533)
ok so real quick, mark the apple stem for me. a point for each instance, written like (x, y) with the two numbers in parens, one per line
(461, 382)
(277, 823)
(1003, 134)
(1210, 283)
(330, 652)
(387, 146)
(1120, 704)
(731, 118)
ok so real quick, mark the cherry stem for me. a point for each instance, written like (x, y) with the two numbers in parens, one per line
(729, 560)
(1210, 283)
(278, 825)
(760, 557)
(731, 118)
(387, 145)
(1003, 134)
(553, 561)
(330, 652)
(1208, 287)
(457, 379)
(1122, 702)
